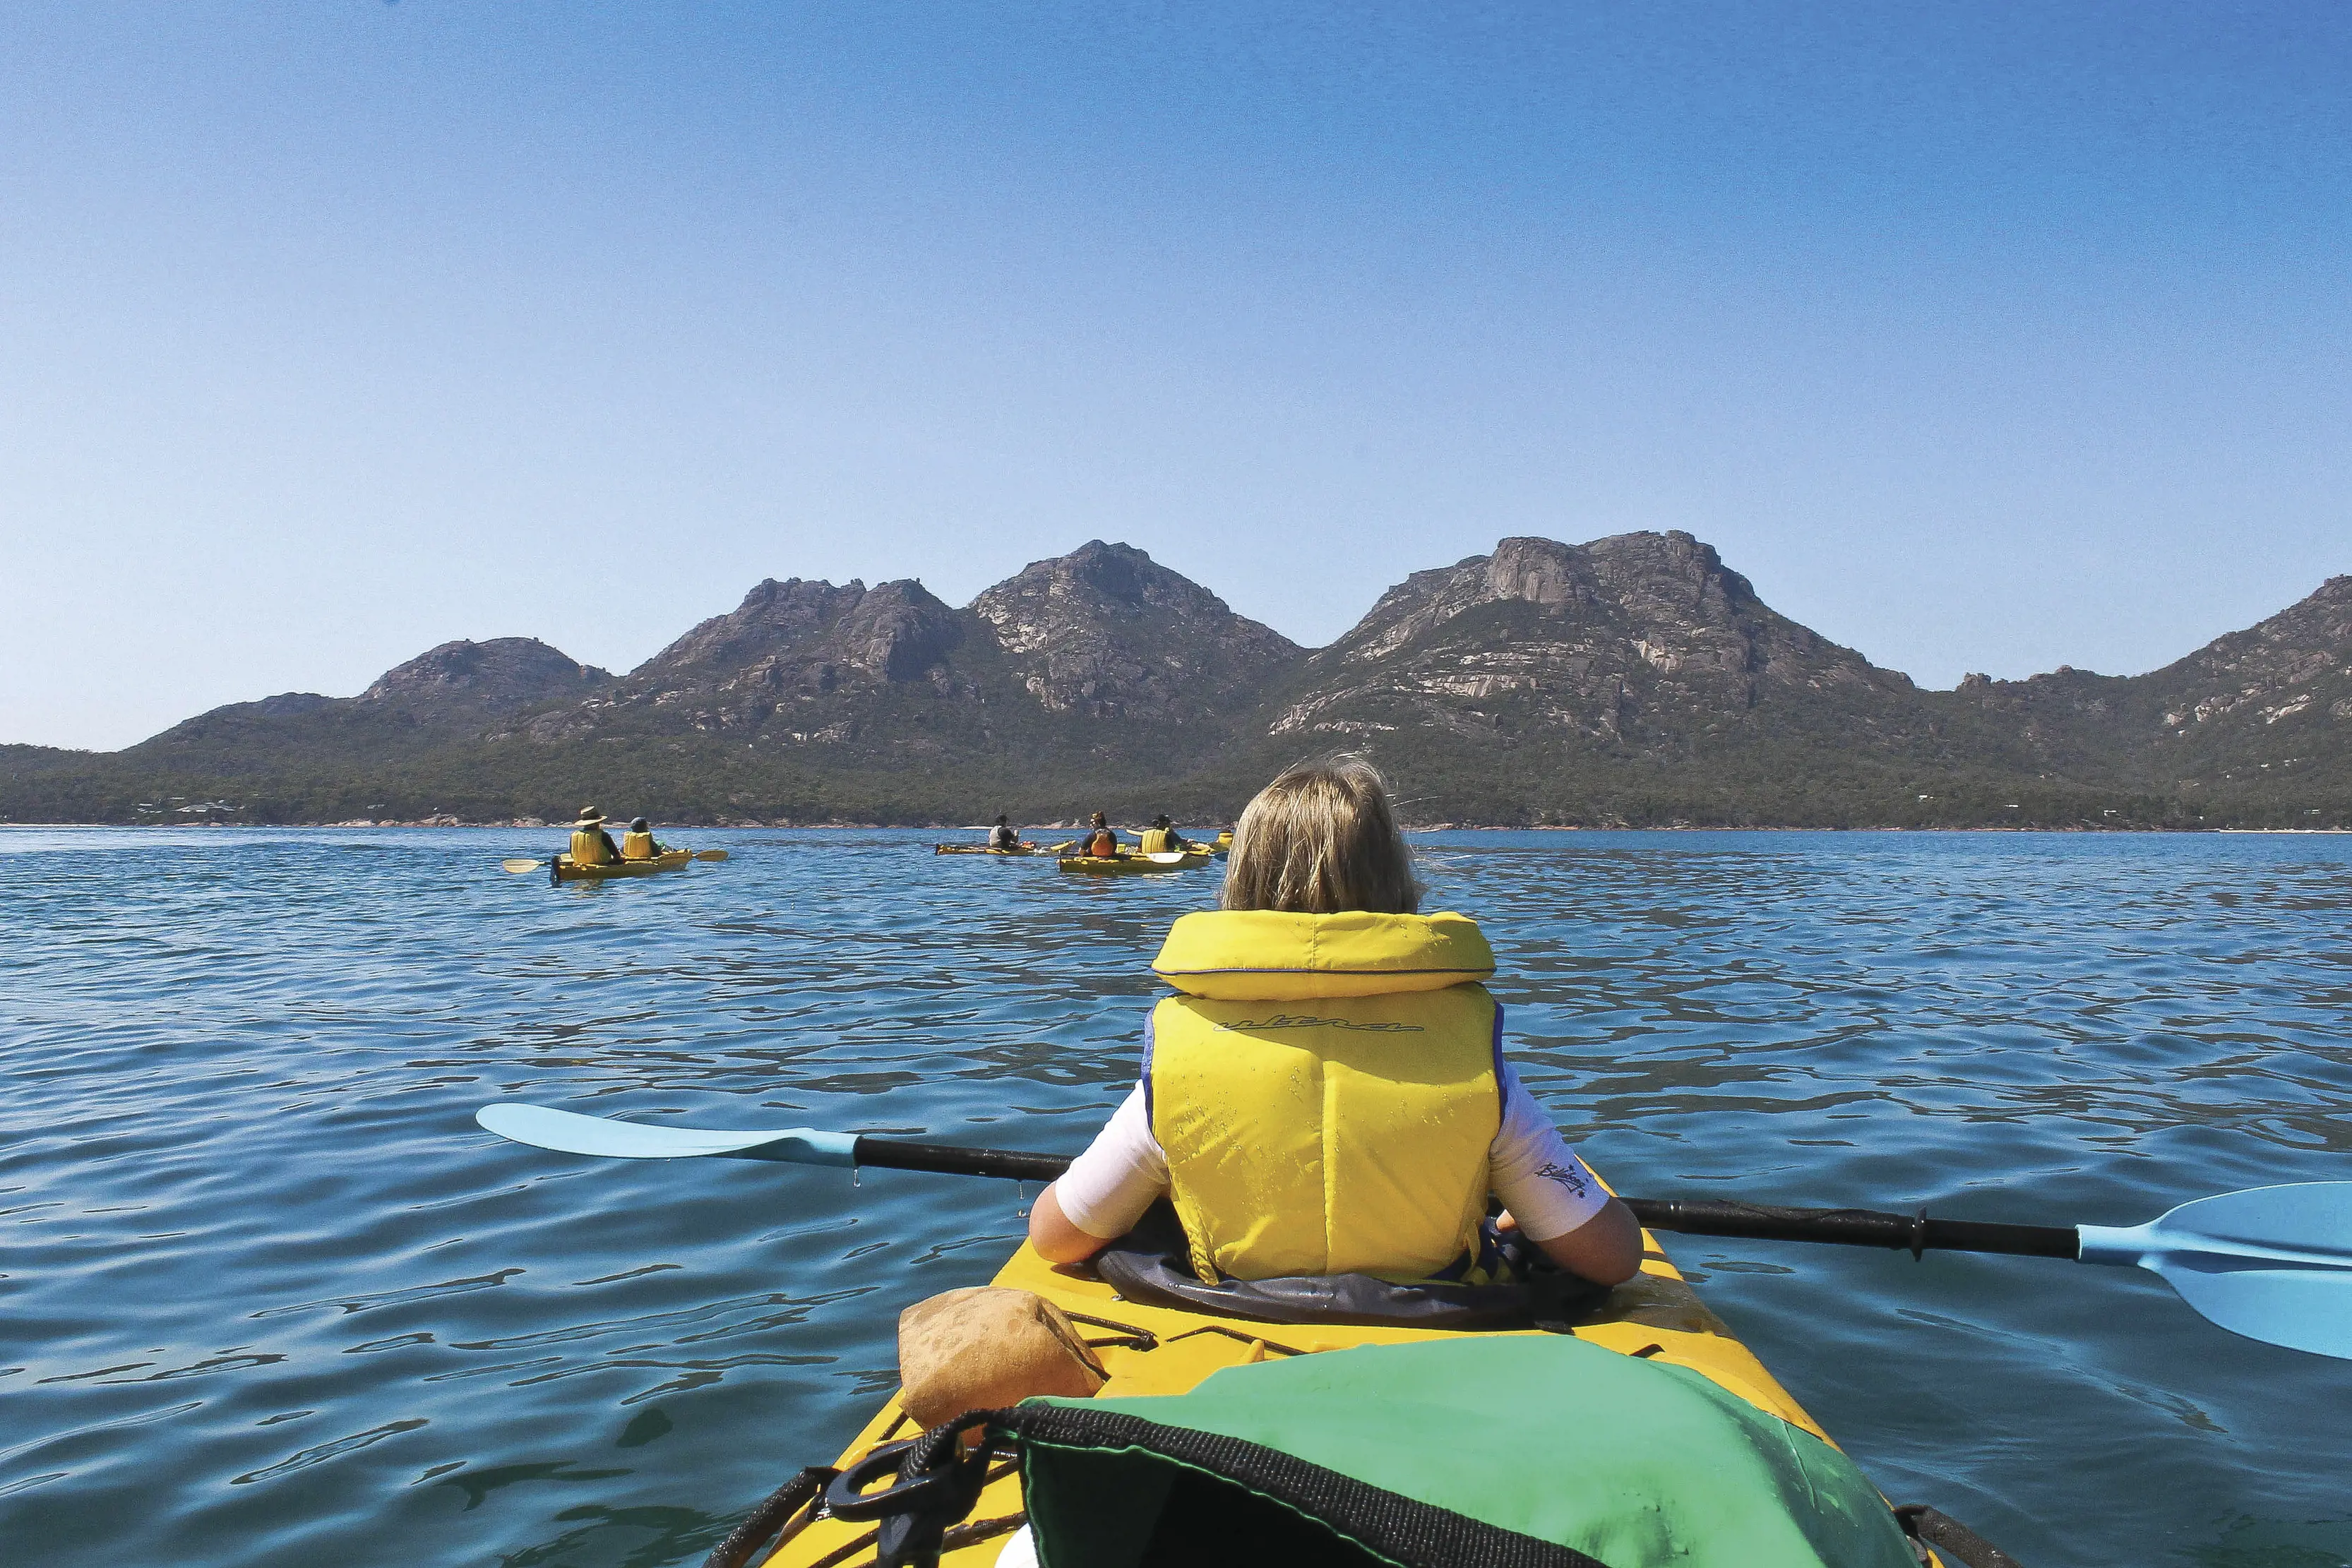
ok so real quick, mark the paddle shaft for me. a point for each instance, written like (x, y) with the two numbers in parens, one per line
(1702, 1216)
(1852, 1228)
(956, 1159)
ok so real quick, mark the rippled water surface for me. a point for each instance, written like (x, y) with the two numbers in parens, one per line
(268, 1297)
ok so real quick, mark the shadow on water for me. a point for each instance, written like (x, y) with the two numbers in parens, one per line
(273, 1298)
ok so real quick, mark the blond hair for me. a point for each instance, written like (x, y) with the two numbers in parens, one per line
(1321, 840)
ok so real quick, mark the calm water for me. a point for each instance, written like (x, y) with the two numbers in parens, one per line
(268, 1297)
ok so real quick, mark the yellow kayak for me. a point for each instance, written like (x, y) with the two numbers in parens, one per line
(1131, 864)
(985, 850)
(1165, 1349)
(668, 860)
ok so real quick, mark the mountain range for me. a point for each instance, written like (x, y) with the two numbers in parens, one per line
(1634, 680)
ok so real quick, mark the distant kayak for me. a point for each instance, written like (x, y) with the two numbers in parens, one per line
(986, 850)
(1134, 865)
(670, 860)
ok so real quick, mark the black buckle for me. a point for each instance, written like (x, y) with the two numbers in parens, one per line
(915, 1511)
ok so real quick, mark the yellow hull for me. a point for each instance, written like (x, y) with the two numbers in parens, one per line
(1131, 864)
(1163, 1350)
(564, 871)
(984, 850)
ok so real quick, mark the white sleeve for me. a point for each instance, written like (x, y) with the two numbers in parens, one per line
(1531, 1168)
(1107, 1189)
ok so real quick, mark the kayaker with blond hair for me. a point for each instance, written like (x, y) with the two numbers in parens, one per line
(1327, 1094)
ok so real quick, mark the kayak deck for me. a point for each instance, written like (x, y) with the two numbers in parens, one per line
(1132, 864)
(1164, 1349)
(670, 860)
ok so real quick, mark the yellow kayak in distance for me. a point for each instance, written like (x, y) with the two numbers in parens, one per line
(1149, 1349)
(562, 870)
(986, 850)
(1131, 864)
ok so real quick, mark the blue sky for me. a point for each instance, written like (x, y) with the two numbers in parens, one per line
(1979, 337)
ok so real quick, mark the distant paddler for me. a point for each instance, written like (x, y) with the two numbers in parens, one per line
(1005, 835)
(591, 844)
(1224, 845)
(594, 854)
(1161, 838)
(1098, 841)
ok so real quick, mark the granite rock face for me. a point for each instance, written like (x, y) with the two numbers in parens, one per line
(889, 674)
(497, 676)
(1107, 632)
(787, 646)
(799, 636)
(1630, 640)
(2275, 698)
(2297, 663)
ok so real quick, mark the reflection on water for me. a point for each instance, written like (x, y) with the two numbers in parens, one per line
(271, 1298)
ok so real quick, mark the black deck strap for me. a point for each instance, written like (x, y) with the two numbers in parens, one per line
(1129, 1334)
(1953, 1541)
(1152, 1264)
(1386, 1524)
(743, 1542)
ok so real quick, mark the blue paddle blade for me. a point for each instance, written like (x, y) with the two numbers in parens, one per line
(569, 1133)
(2273, 1263)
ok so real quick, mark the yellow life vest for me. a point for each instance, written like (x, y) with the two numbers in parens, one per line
(588, 847)
(636, 846)
(1326, 1091)
(1155, 841)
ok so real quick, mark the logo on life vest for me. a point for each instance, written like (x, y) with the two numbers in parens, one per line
(1307, 1021)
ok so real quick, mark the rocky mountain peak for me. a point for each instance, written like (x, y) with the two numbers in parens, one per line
(798, 640)
(1668, 579)
(1539, 571)
(772, 616)
(2297, 665)
(499, 675)
(1096, 581)
(2313, 631)
(1107, 630)
(1635, 632)
(1118, 573)
(897, 631)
